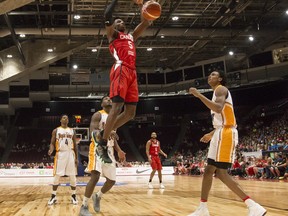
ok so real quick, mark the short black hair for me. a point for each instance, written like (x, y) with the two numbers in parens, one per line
(64, 115)
(223, 76)
(104, 98)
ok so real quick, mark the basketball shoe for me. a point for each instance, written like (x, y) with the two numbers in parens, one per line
(150, 186)
(84, 211)
(96, 202)
(102, 149)
(202, 210)
(161, 186)
(52, 200)
(74, 200)
(255, 209)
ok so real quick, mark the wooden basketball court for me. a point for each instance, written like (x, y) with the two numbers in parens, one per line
(29, 196)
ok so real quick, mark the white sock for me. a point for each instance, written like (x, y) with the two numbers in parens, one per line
(249, 202)
(85, 201)
(99, 193)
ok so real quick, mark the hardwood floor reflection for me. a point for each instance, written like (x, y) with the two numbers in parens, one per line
(28, 196)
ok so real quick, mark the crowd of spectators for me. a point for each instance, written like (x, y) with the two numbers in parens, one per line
(40, 165)
(263, 167)
(267, 135)
(263, 136)
(31, 145)
(189, 163)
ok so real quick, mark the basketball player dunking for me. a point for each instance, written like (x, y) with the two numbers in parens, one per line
(152, 151)
(63, 140)
(123, 77)
(223, 141)
(96, 165)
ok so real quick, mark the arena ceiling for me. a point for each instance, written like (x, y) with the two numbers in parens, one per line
(205, 29)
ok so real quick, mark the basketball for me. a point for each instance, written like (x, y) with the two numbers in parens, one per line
(151, 10)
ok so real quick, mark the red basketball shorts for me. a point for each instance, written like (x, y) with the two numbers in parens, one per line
(156, 163)
(123, 83)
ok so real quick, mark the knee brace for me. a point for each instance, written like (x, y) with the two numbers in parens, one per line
(73, 180)
(56, 180)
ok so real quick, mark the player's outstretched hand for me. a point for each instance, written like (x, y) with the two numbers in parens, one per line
(150, 160)
(114, 135)
(206, 138)
(194, 91)
(50, 152)
(122, 156)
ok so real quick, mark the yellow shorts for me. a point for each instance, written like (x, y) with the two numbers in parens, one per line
(223, 144)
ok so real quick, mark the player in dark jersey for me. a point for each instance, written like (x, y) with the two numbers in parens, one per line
(123, 77)
(152, 151)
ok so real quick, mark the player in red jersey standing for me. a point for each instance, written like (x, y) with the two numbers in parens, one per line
(123, 77)
(152, 151)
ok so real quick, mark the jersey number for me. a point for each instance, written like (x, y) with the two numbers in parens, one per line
(66, 141)
(130, 44)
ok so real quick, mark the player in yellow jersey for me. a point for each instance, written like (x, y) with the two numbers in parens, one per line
(223, 140)
(96, 164)
(63, 140)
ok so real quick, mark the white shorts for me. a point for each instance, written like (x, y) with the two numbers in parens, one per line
(64, 163)
(223, 144)
(107, 170)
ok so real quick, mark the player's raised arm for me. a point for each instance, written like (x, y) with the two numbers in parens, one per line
(216, 106)
(109, 20)
(138, 31)
(95, 120)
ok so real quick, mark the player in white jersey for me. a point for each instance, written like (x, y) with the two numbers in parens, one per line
(65, 161)
(223, 141)
(96, 164)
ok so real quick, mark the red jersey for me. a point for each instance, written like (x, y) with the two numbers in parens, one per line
(154, 147)
(236, 165)
(123, 49)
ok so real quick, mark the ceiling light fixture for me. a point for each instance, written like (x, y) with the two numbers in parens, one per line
(9, 56)
(251, 38)
(94, 50)
(149, 49)
(175, 18)
(231, 53)
(77, 17)
(162, 36)
(22, 35)
(286, 12)
(50, 50)
(75, 66)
